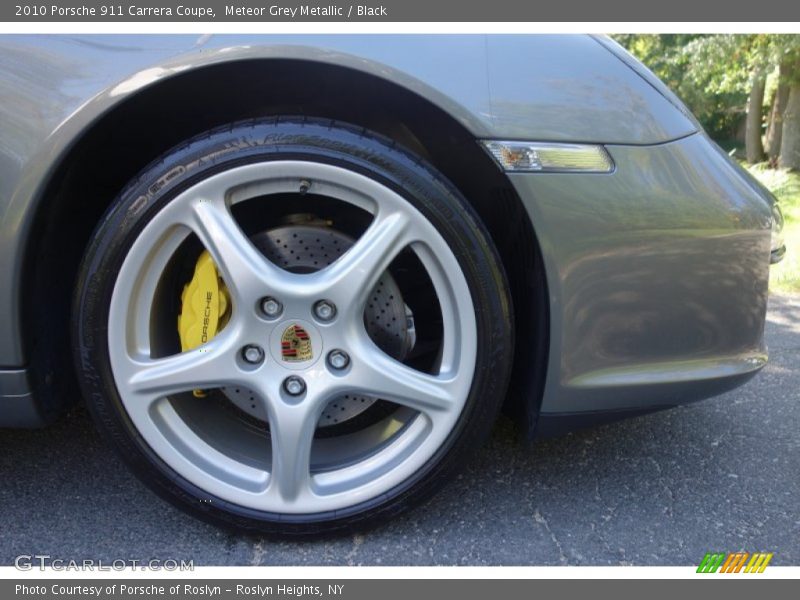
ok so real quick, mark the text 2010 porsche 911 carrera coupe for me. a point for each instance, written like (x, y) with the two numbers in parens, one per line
(297, 277)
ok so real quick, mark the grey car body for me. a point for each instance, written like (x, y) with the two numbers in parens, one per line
(656, 273)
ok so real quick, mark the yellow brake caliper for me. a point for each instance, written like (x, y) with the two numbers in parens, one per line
(205, 305)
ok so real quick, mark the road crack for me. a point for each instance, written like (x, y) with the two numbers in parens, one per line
(539, 518)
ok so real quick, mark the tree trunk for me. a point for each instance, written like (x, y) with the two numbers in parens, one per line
(752, 139)
(790, 136)
(775, 125)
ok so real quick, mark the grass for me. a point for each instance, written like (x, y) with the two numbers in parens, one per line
(785, 276)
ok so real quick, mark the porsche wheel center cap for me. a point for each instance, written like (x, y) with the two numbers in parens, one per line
(296, 344)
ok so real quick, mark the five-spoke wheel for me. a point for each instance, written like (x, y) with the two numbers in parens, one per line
(351, 342)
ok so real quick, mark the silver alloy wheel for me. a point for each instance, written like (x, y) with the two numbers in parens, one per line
(433, 402)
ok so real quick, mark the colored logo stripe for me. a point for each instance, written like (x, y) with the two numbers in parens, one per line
(710, 562)
(758, 563)
(734, 562)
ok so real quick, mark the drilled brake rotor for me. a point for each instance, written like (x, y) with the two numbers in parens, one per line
(303, 248)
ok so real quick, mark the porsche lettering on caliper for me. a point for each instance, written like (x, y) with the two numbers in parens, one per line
(204, 307)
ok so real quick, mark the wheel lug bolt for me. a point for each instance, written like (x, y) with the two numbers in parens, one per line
(338, 359)
(253, 354)
(294, 385)
(324, 310)
(271, 307)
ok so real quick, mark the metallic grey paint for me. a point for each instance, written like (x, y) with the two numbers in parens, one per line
(559, 88)
(657, 272)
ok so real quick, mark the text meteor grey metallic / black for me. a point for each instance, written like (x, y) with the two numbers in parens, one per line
(296, 278)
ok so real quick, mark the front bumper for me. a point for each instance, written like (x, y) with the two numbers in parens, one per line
(657, 274)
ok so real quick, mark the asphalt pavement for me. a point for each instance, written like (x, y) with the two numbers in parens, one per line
(720, 475)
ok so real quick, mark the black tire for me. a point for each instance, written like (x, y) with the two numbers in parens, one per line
(322, 141)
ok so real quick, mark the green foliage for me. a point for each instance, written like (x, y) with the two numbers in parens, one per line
(709, 77)
(786, 50)
(713, 73)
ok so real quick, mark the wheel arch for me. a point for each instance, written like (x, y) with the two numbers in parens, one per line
(112, 148)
